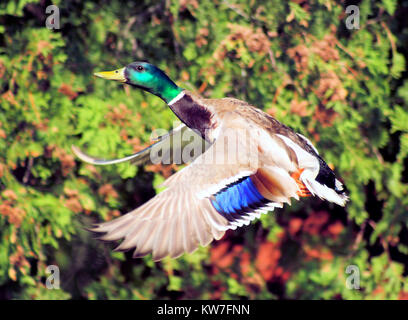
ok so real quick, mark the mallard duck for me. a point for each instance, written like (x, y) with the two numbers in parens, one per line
(272, 164)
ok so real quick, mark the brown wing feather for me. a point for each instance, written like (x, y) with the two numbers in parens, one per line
(177, 220)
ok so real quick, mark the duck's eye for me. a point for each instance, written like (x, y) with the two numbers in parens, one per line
(139, 68)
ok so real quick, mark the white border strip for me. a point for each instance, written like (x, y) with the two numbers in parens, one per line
(177, 98)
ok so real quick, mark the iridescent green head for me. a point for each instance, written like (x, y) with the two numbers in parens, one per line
(145, 76)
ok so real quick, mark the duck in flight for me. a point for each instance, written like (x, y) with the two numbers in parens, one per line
(271, 165)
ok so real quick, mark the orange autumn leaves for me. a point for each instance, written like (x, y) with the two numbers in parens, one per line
(325, 49)
(67, 159)
(10, 209)
(267, 263)
(18, 261)
(243, 44)
(328, 86)
(240, 39)
(68, 91)
(75, 201)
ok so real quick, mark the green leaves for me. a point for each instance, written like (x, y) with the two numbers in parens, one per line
(14, 8)
(398, 65)
(390, 6)
(399, 119)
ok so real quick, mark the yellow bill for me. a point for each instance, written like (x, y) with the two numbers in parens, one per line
(117, 75)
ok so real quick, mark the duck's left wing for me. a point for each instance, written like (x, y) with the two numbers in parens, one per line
(174, 143)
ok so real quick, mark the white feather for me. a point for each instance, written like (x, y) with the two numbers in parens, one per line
(320, 190)
(308, 142)
(305, 159)
(222, 184)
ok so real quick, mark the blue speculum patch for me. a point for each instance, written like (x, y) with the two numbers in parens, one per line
(238, 198)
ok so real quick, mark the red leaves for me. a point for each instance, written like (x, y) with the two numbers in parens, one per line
(2, 69)
(165, 170)
(314, 223)
(9, 208)
(299, 107)
(73, 203)
(241, 40)
(189, 4)
(67, 160)
(267, 259)
(403, 295)
(112, 214)
(267, 262)
(9, 97)
(15, 215)
(329, 85)
(300, 54)
(324, 116)
(3, 168)
(67, 90)
(107, 191)
(245, 263)
(134, 142)
(295, 224)
(119, 115)
(257, 41)
(43, 45)
(330, 82)
(326, 48)
(317, 224)
(9, 194)
(251, 268)
(221, 256)
(317, 253)
(379, 292)
(335, 229)
(18, 260)
(201, 38)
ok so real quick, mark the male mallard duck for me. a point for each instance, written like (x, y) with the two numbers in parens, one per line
(210, 196)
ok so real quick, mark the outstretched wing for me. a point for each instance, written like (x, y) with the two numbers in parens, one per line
(173, 143)
(201, 202)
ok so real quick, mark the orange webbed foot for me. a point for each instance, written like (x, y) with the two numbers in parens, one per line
(303, 191)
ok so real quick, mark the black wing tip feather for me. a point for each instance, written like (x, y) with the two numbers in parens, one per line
(92, 228)
(326, 176)
(97, 234)
(118, 249)
(343, 191)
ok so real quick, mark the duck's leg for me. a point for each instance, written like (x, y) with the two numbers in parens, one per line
(303, 191)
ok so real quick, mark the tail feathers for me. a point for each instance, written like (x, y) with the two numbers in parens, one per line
(326, 193)
(339, 187)
(336, 195)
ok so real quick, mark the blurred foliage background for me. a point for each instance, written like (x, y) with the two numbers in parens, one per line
(347, 90)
